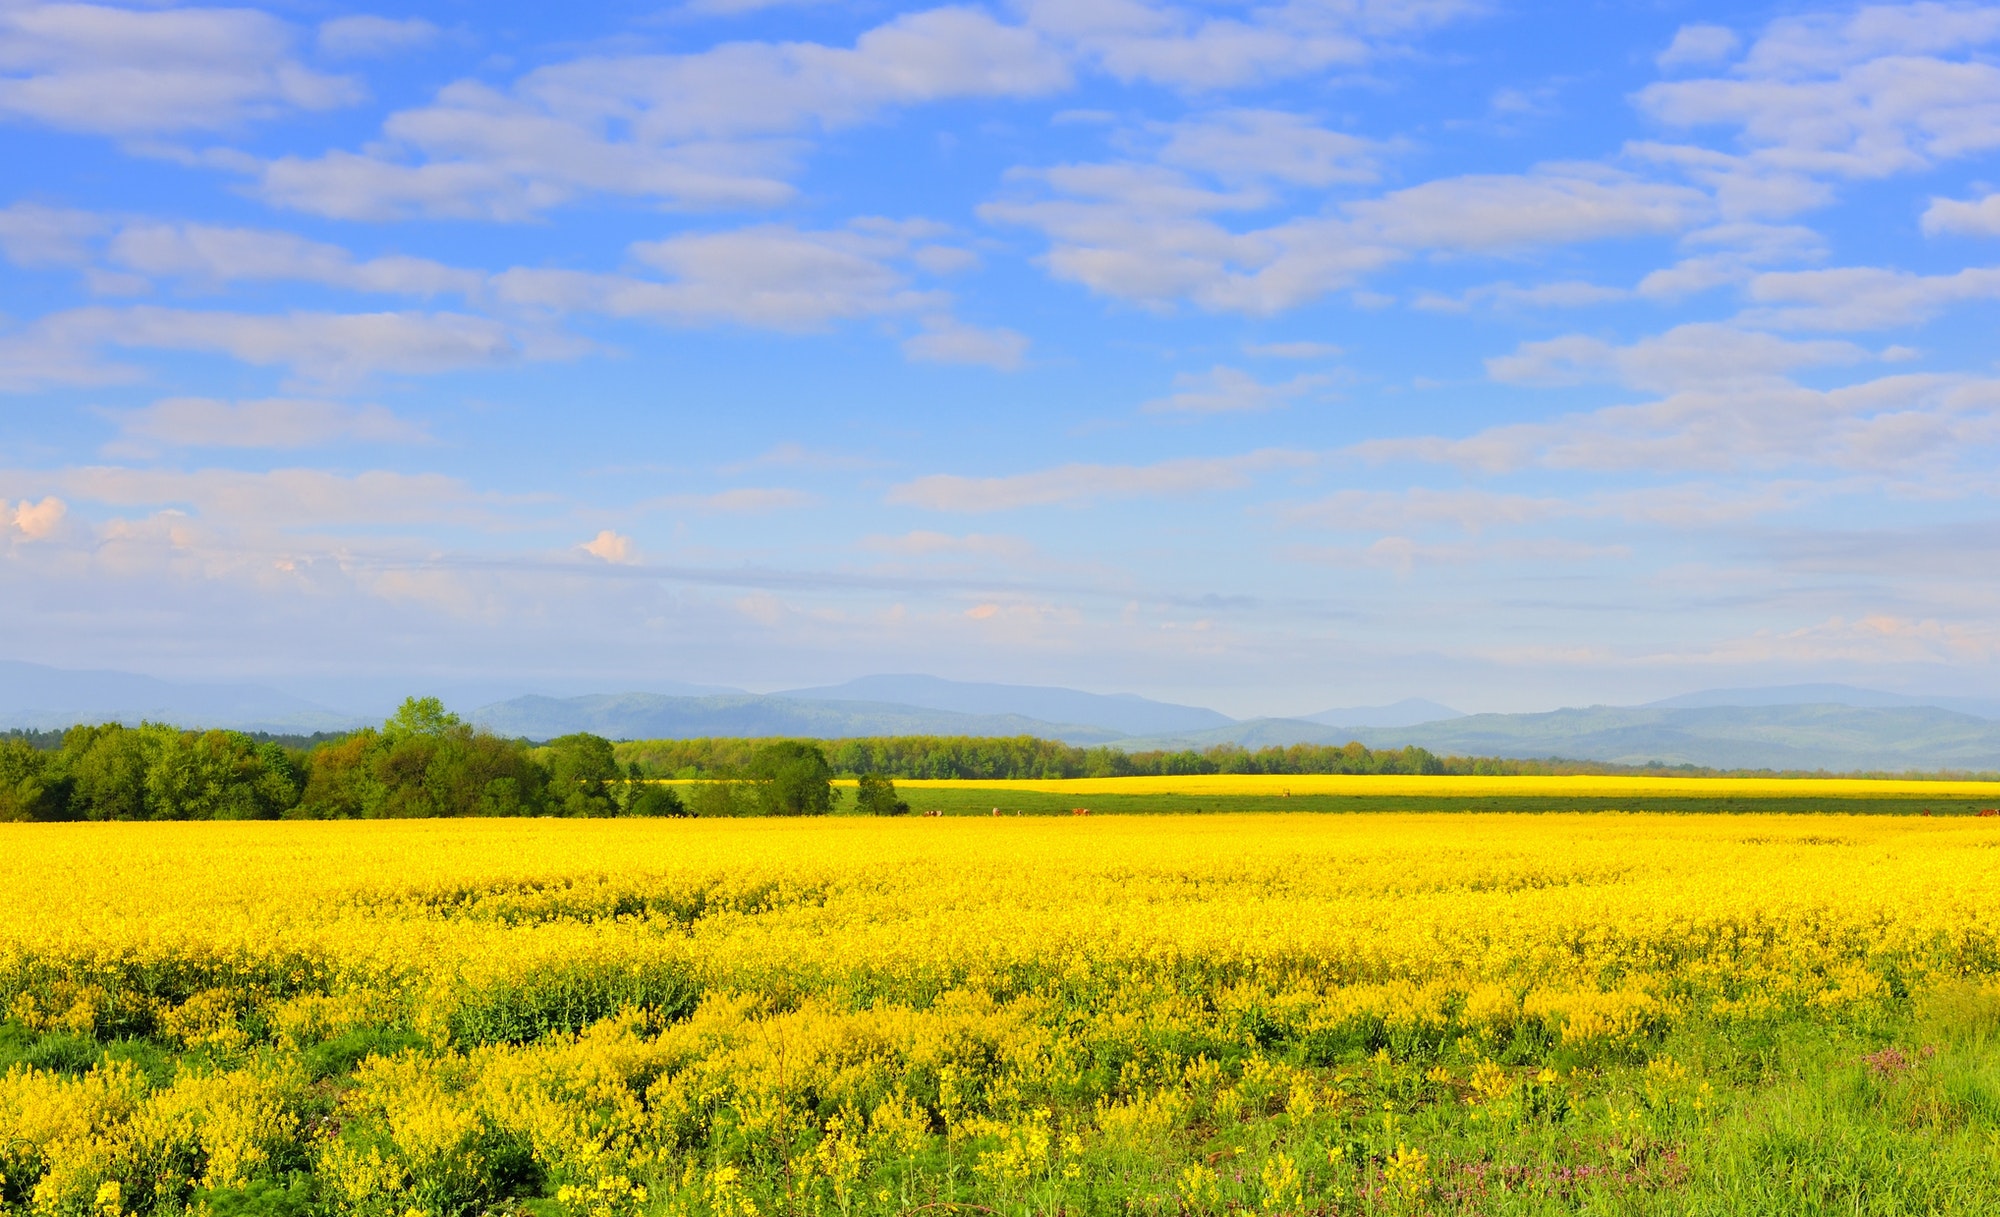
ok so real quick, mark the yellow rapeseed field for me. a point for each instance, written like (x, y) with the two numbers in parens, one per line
(1474, 786)
(1279, 1013)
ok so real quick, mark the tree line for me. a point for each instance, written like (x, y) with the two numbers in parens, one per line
(1027, 756)
(423, 762)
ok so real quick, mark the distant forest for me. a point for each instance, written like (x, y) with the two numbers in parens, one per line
(424, 761)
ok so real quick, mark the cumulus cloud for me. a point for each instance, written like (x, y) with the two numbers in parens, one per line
(709, 129)
(769, 276)
(1088, 483)
(610, 546)
(203, 422)
(146, 72)
(217, 255)
(1268, 145)
(1860, 93)
(38, 521)
(1227, 390)
(1975, 217)
(1156, 235)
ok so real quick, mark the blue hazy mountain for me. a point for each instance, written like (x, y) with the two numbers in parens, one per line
(652, 716)
(35, 695)
(1124, 713)
(1405, 713)
(1826, 695)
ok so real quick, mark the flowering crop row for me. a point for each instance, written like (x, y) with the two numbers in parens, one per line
(1286, 1013)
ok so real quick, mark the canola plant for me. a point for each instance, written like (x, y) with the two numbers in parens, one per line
(1397, 1013)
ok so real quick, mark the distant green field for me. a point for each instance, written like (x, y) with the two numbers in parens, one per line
(977, 801)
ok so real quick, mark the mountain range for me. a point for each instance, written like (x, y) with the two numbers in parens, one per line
(1817, 726)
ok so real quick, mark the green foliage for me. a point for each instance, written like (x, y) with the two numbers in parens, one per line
(30, 788)
(261, 1198)
(791, 778)
(721, 799)
(875, 795)
(643, 799)
(581, 769)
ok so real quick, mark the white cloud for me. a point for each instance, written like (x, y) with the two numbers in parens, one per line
(1977, 217)
(367, 36)
(1863, 297)
(140, 72)
(202, 422)
(710, 129)
(610, 546)
(222, 255)
(1917, 425)
(1146, 232)
(1227, 390)
(946, 341)
(325, 346)
(38, 521)
(1196, 51)
(1268, 145)
(1857, 94)
(1687, 356)
(1086, 483)
(1730, 253)
(1696, 45)
(770, 276)
(1555, 205)
(34, 235)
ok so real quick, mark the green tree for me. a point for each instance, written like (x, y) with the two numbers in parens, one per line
(581, 768)
(721, 799)
(792, 778)
(30, 787)
(420, 716)
(875, 795)
(424, 762)
(107, 771)
(654, 799)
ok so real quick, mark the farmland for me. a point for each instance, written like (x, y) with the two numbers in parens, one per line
(1388, 1013)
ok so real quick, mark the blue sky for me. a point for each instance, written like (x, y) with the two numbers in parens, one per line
(1271, 356)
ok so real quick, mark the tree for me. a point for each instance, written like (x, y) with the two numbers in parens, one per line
(28, 788)
(654, 799)
(875, 795)
(581, 766)
(792, 779)
(107, 772)
(420, 716)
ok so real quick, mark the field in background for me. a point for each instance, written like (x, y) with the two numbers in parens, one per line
(1251, 793)
(1394, 1013)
